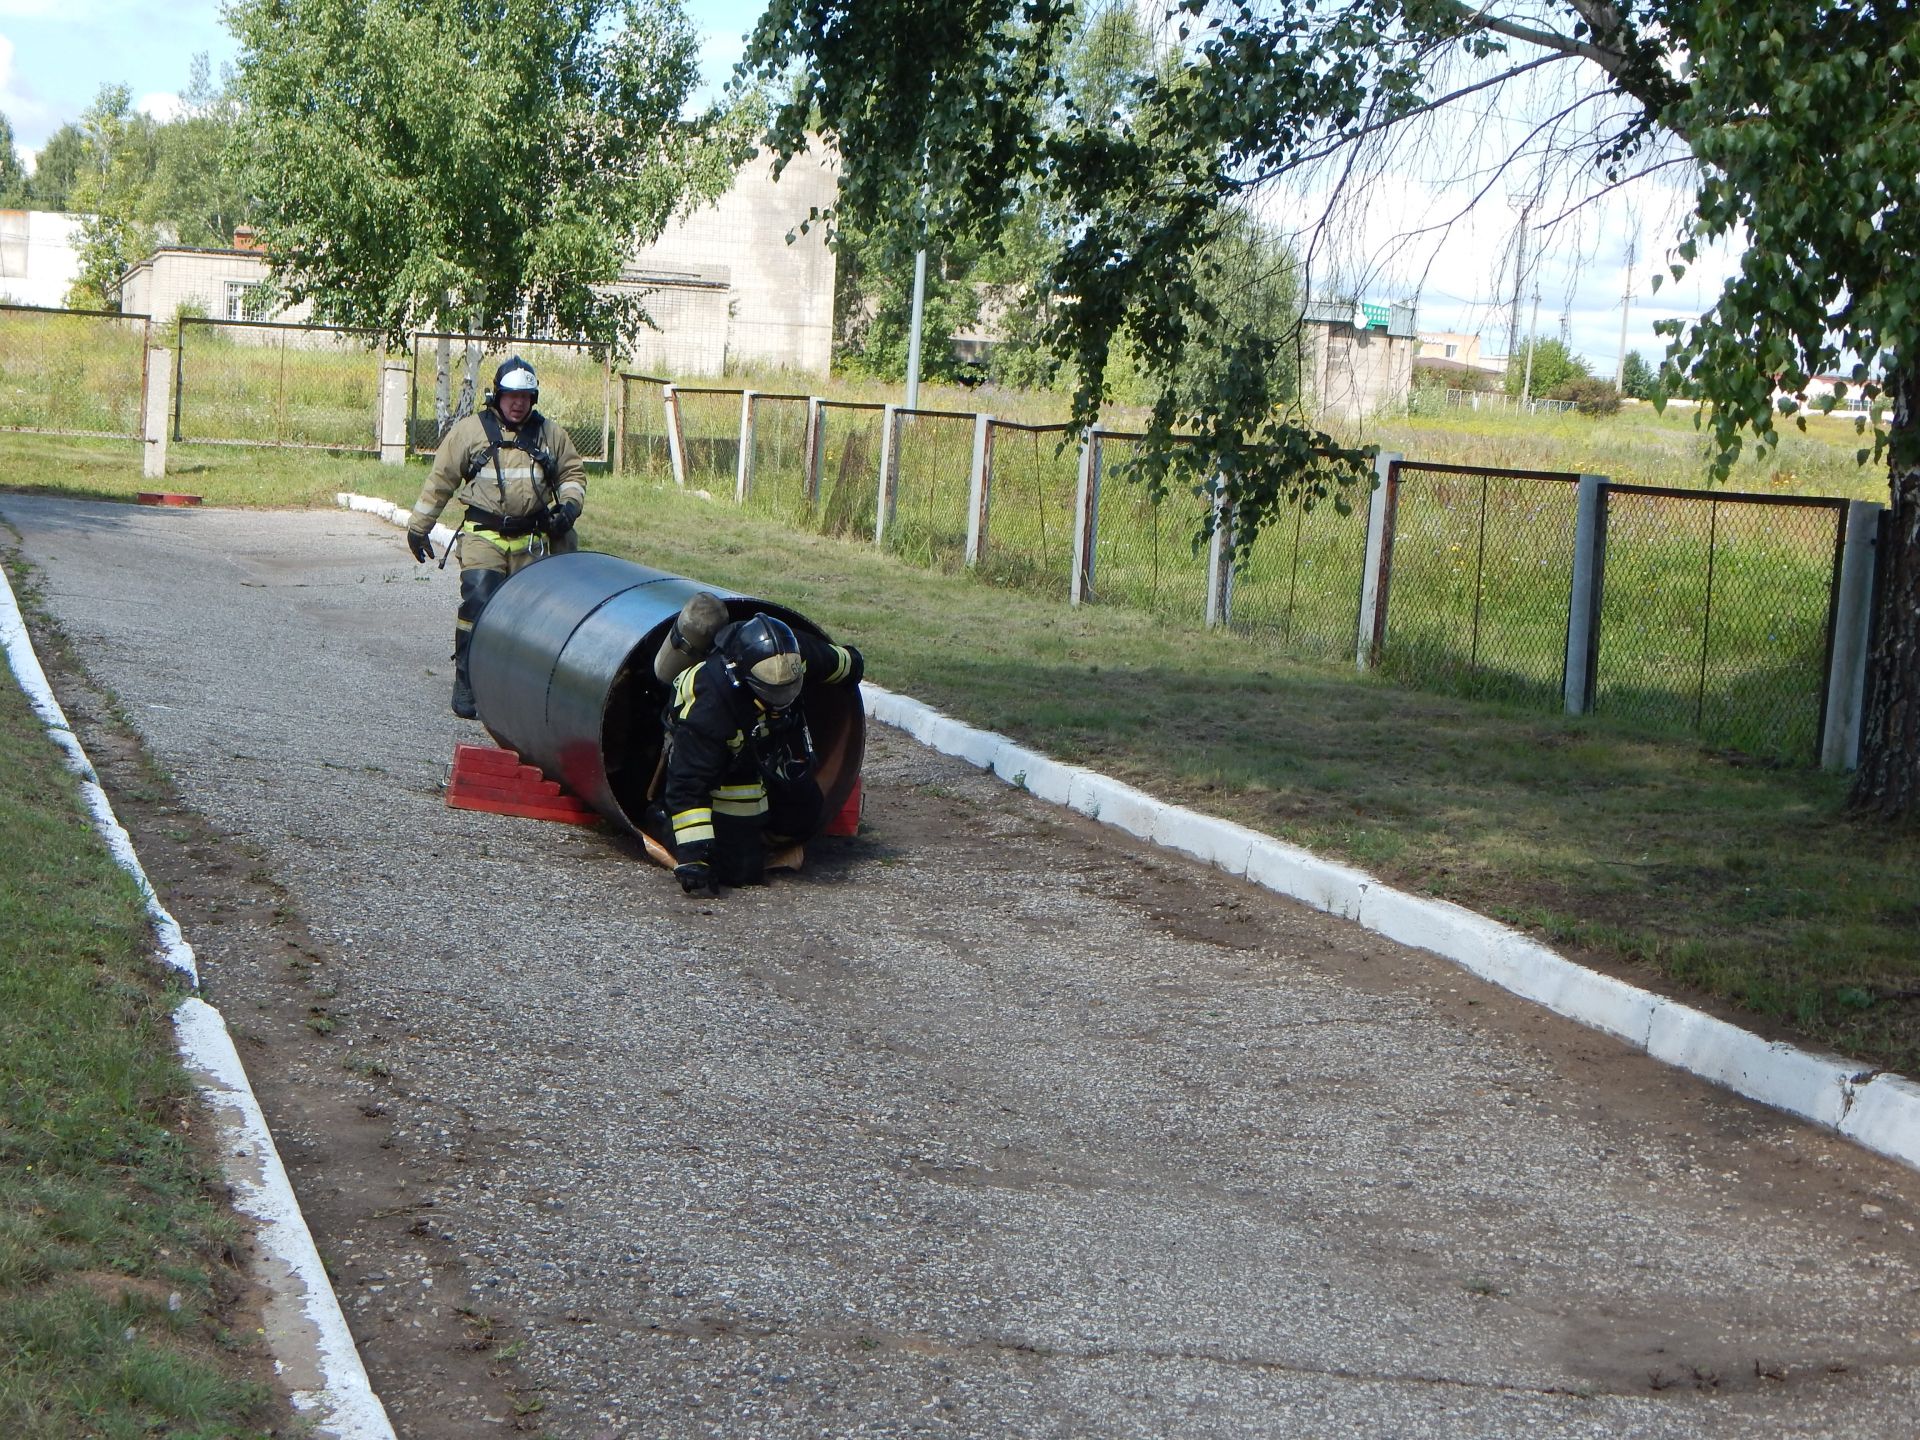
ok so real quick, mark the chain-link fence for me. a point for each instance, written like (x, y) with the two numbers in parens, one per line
(708, 419)
(845, 479)
(1717, 612)
(643, 448)
(1147, 553)
(1299, 583)
(255, 382)
(1478, 582)
(452, 373)
(73, 372)
(932, 479)
(777, 458)
(1026, 533)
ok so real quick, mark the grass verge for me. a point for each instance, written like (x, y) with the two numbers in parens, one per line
(1739, 884)
(119, 1275)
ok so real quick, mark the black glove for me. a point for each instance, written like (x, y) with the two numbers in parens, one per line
(560, 517)
(696, 878)
(421, 546)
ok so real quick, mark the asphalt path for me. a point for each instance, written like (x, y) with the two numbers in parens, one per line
(990, 1124)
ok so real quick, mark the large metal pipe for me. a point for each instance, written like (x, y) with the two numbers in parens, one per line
(562, 669)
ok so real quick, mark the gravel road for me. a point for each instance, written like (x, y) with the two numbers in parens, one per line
(990, 1124)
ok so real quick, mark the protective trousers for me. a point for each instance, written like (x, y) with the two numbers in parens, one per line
(484, 568)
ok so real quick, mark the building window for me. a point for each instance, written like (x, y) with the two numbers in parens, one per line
(248, 300)
(1450, 351)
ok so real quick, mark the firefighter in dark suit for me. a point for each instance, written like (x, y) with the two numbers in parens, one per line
(523, 485)
(738, 773)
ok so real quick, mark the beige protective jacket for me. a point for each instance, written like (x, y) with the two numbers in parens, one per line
(519, 487)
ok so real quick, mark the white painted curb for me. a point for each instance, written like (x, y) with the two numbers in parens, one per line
(327, 1379)
(1878, 1111)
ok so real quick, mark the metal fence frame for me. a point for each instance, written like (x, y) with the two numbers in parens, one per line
(376, 362)
(146, 351)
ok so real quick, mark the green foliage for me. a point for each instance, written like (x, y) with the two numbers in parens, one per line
(142, 183)
(1553, 365)
(1638, 379)
(425, 165)
(1590, 395)
(13, 175)
(56, 169)
(1802, 119)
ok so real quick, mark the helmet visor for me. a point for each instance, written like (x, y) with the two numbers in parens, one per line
(776, 680)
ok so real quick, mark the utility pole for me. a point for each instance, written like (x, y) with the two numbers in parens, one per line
(1533, 327)
(1626, 306)
(1519, 276)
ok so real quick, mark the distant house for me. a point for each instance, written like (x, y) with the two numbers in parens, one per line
(1359, 357)
(39, 257)
(223, 284)
(1458, 348)
(723, 286)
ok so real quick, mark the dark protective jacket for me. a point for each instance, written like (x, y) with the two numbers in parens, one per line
(526, 474)
(724, 748)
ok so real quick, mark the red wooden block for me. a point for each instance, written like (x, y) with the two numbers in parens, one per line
(493, 780)
(847, 822)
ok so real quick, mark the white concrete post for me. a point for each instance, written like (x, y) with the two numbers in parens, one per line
(977, 488)
(743, 463)
(883, 500)
(1852, 621)
(1583, 609)
(159, 414)
(816, 447)
(676, 454)
(1383, 464)
(1219, 573)
(1083, 522)
(394, 380)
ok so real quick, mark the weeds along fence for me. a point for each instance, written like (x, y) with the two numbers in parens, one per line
(1475, 576)
(1718, 614)
(1711, 614)
(451, 372)
(255, 382)
(73, 372)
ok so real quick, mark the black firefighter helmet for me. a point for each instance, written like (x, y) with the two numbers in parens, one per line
(763, 655)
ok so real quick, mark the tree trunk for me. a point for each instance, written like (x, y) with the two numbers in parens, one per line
(1888, 782)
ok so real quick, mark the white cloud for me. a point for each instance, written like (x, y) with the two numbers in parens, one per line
(161, 105)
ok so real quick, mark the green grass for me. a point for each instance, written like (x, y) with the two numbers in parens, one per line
(116, 1254)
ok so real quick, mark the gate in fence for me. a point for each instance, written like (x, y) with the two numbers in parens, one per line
(843, 465)
(1031, 475)
(73, 372)
(640, 442)
(1474, 581)
(1717, 614)
(451, 373)
(926, 470)
(258, 382)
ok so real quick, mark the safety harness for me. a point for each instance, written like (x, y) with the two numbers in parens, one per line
(511, 527)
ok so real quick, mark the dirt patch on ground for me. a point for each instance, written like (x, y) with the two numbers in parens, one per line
(433, 1359)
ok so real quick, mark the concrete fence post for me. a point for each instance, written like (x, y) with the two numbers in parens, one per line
(743, 462)
(883, 497)
(676, 449)
(1588, 580)
(977, 494)
(1085, 496)
(1852, 623)
(1372, 574)
(395, 377)
(159, 415)
(1219, 571)
(816, 447)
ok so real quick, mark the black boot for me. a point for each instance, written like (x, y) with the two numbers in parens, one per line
(463, 705)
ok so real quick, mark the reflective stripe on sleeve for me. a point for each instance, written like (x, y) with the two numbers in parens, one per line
(845, 663)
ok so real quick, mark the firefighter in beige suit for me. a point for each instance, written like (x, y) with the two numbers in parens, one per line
(523, 486)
